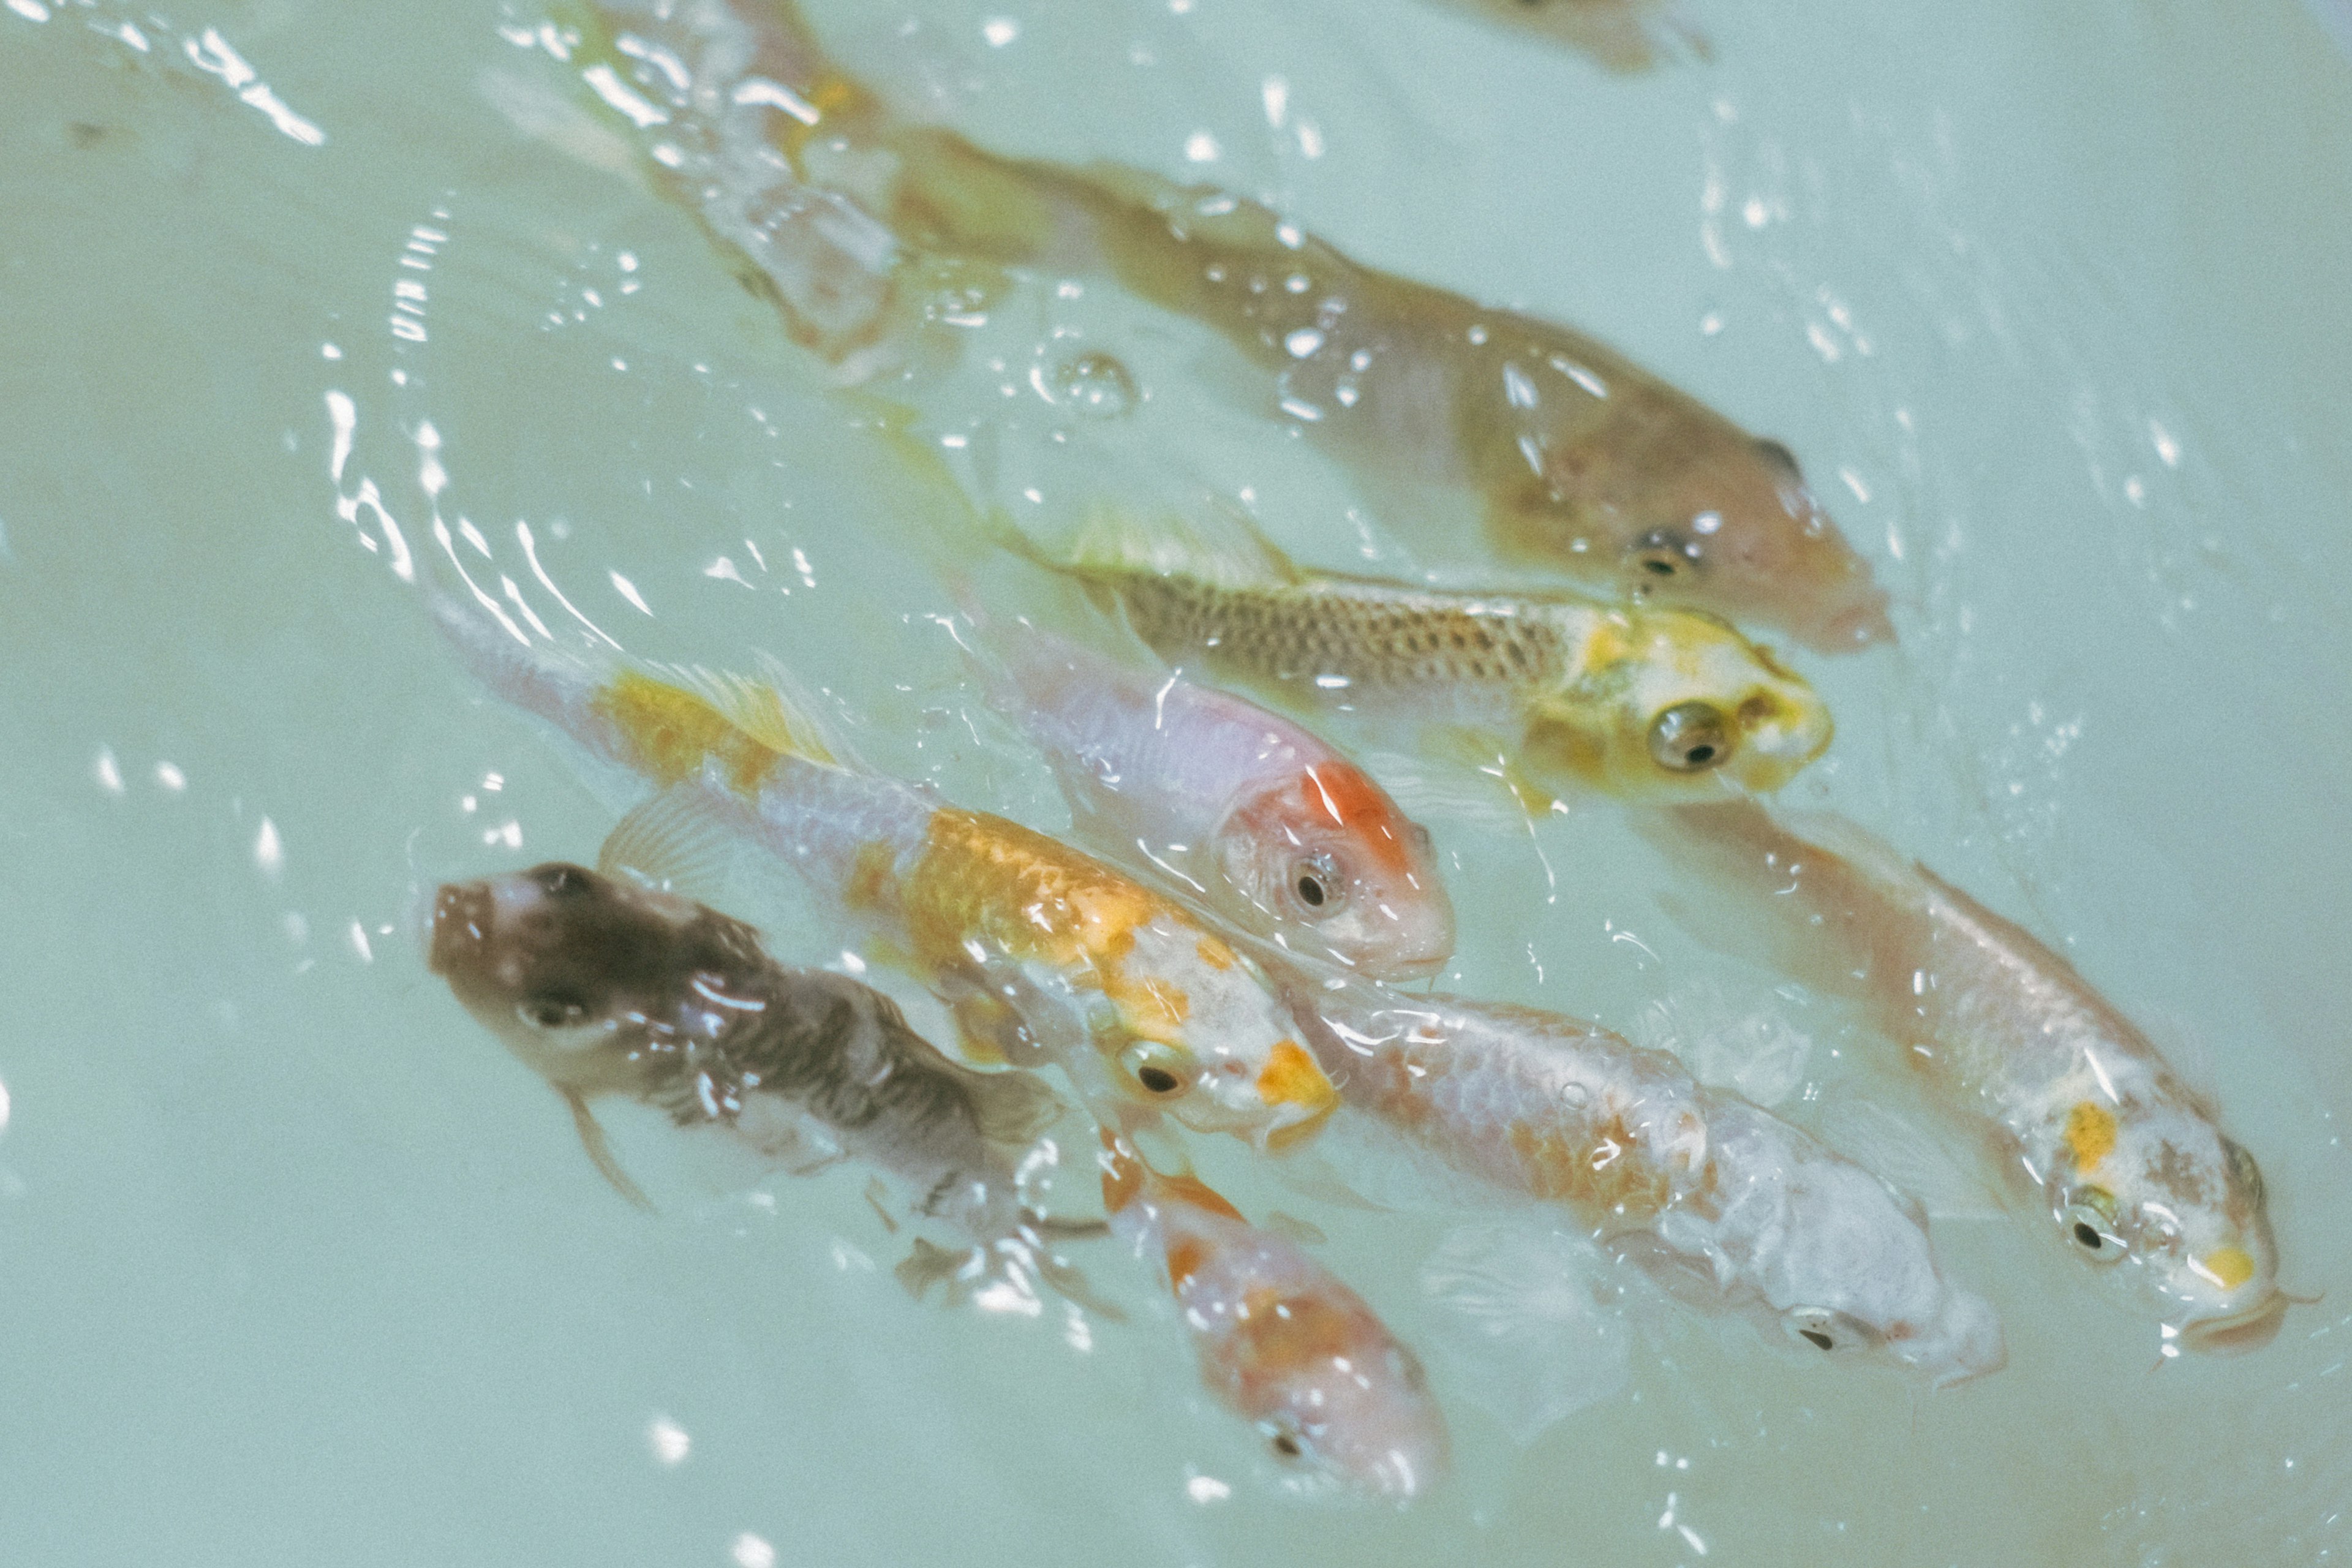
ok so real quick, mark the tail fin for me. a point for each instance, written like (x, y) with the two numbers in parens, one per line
(1525, 1323)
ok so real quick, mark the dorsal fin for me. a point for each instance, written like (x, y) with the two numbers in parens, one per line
(771, 711)
(1111, 540)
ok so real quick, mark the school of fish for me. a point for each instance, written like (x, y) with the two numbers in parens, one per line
(1218, 940)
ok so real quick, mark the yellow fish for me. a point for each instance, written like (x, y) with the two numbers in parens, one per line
(1639, 702)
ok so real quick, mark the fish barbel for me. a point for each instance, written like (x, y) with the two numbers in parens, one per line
(1272, 828)
(1642, 701)
(1281, 1342)
(1047, 953)
(1724, 1203)
(2131, 1165)
(608, 988)
(1579, 461)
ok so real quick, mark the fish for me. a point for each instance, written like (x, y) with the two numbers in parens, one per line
(1047, 955)
(1578, 462)
(1621, 35)
(2130, 1165)
(1641, 702)
(1723, 1204)
(1281, 1342)
(1268, 825)
(608, 987)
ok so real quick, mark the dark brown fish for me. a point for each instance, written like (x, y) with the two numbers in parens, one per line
(607, 988)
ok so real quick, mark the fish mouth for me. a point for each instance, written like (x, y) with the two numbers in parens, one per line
(1398, 970)
(460, 920)
(2239, 1332)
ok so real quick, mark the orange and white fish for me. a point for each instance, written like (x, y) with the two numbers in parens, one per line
(1281, 1342)
(1047, 953)
(2130, 1165)
(1725, 1204)
(1264, 821)
(1579, 461)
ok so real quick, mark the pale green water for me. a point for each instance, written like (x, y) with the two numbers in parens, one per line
(297, 1265)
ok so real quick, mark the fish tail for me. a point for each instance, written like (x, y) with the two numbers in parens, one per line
(540, 677)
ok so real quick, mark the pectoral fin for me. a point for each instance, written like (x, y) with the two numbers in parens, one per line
(600, 1153)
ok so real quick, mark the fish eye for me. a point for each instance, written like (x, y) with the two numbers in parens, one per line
(2243, 1170)
(552, 1010)
(1780, 457)
(1316, 881)
(1690, 737)
(1283, 1436)
(1822, 1328)
(1162, 1070)
(2090, 1222)
(1662, 553)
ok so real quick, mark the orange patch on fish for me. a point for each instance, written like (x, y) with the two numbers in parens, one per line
(1214, 954)
(1184, 1259)
(982, 878)
(2090, 1134)
(1291, 1077)
(1198, 1194)
(873, 878)
(1277, 1335)
(1341, 794)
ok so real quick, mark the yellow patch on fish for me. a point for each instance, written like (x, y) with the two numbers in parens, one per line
(2228, 1267)
(2090, 1134)
(1215, 953)
(672, 730)
(1166, 999)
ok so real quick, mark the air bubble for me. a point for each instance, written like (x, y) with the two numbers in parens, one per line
(1095, 384)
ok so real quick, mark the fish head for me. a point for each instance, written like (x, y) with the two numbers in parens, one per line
(2163, 1188)
(1204, 1039)
(579, 976)
(1736, 532)
(1855, 1276)
(1335, 1397)
(1673, 706)
(1327, 857)
(1664, 500)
